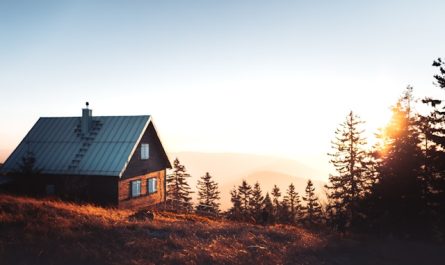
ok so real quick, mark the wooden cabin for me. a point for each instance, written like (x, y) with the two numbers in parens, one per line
(116, 161)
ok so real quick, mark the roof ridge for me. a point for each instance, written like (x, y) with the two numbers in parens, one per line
(57, 117)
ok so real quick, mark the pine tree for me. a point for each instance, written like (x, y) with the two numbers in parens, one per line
(354, 176)
(283, 214)
(434, 168)
(27, 167)
(26, 176)
(292, 200)
(235, 212)
(433, 131)
(208, 195)
(267, 211)
(431, 127)
(245, 195)
(256, 202)
(276, 194)
(312, 213)
(178, 191)
(397, 196)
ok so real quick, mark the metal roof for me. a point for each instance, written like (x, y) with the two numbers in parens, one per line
(59, 147)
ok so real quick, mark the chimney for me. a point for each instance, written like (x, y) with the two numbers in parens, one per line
(87, 117)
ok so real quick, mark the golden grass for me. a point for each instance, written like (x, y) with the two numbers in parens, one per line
(36, 231)
(45, 232)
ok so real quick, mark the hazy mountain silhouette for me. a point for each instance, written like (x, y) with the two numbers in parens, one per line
(228, 169)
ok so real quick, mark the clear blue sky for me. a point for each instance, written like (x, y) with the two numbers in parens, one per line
(267, 77)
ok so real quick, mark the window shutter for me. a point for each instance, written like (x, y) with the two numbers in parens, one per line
(133, 188)
(155, 185)
(149, 186)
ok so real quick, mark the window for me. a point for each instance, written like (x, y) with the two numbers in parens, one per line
(152, 185)
(145, 151)
(135, 188)
(50, 189)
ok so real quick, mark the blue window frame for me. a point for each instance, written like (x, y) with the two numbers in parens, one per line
(152, 185)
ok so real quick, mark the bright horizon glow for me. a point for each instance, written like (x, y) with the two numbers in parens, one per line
(273, 78)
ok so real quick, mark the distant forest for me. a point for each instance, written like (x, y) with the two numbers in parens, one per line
(396, 187)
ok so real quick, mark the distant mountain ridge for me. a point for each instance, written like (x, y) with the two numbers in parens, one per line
(229, 169)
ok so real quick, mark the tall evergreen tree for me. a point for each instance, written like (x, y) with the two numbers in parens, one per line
(276, 194)
(235, 212)
(436, 156)
(208, 195)
(267, 213)
(245, 196)
(312, 213)
(398, 203)
(178, 190)
(256, 202)
(27, 167)
(26, 175)
(354, 177)
(292, 200)
(432, 135)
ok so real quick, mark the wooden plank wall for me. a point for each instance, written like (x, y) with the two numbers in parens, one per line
(100, 190)
(145, 199)
(157, 160)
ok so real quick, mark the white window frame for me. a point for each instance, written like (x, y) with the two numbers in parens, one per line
(145, 151)
(152, 185)
(135, 188)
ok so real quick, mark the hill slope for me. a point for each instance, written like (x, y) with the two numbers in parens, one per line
(45, 232)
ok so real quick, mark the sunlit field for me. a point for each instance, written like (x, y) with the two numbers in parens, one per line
(36, 231)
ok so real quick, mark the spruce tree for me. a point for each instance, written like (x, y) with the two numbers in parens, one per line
(354, 175)
(234, 212)
(292, 200)
(276, 194)
(397, 196)
(245, 195)
(283, 214)
(432, 135)
(312, 213)
(208, 195)
(267, 211)
(178, 190)
(256, 202)
(26, 176)
(27, 167)
(433, 124)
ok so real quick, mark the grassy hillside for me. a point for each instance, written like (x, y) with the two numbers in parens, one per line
(46, 232)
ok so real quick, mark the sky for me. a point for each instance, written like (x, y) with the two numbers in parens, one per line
(261, 77)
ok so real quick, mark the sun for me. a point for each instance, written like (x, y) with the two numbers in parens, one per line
(375, 123)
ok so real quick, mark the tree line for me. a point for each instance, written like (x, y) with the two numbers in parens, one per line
(396, 186)
(249, 204)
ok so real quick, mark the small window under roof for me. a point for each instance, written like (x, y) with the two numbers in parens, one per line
(145, 151)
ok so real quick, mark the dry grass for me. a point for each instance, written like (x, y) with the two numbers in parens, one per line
(52, 232)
